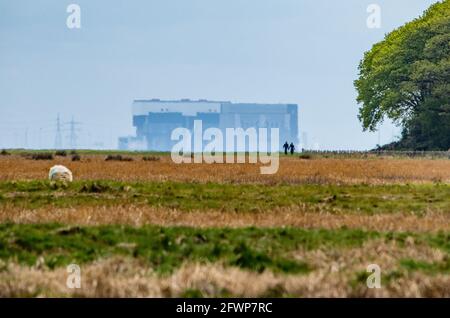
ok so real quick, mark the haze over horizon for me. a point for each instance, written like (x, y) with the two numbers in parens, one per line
(267, 51)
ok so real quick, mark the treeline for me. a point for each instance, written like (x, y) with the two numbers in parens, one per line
(306, 154)
(406, 78)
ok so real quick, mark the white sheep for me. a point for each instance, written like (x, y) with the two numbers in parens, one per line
(60, 173)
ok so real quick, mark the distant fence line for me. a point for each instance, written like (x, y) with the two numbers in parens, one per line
(380, 153)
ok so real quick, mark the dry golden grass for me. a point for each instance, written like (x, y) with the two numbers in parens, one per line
(292, 217)
(335, 275)
(292, 170)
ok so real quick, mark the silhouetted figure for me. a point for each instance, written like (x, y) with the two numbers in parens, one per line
(292, 148)
(286, 147)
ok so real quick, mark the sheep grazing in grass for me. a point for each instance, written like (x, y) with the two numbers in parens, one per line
(60, 173)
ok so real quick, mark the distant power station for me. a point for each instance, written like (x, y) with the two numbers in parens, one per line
(155, 120)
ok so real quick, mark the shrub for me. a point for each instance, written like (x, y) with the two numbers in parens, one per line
(305, 156)
(151, 158)
(117, 158)
(42, 156)
(76, 158)
(61, 153)
(4, 153)
(95, 187)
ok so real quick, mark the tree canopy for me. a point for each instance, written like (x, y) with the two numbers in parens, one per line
(406, 78)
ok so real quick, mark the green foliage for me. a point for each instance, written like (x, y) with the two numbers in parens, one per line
(406, 78)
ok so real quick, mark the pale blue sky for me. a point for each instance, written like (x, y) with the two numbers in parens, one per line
(295, 51)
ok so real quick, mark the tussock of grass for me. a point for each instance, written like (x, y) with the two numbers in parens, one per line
(76, 157)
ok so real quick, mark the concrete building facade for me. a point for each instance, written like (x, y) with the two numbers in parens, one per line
(155, 120)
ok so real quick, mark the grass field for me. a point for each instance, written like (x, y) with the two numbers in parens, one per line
(156, 229)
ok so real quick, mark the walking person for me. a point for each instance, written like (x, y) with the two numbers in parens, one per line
(286, 147)
(292, 148)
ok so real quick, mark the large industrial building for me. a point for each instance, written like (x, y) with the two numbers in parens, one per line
(155, 120)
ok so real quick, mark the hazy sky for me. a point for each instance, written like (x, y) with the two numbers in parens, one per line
(294, 51)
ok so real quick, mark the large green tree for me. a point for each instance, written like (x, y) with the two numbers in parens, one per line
(406, 78)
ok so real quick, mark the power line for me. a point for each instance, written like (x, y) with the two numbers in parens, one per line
(73, 133)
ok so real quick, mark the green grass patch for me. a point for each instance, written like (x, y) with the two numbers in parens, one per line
(166, 248)
(230, 197)
(427, 267)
